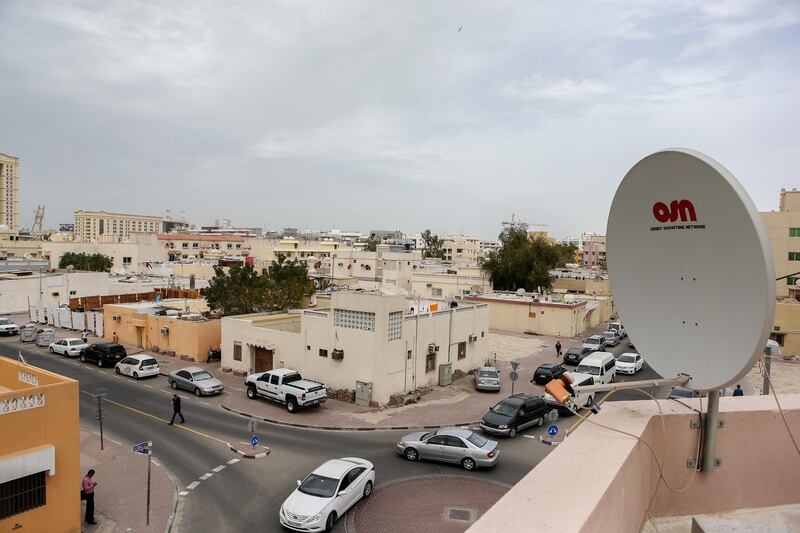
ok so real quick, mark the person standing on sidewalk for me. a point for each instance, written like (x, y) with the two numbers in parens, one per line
(87, 488)
(176, 409)
(85, 336)
(558, 348)
(738, 391)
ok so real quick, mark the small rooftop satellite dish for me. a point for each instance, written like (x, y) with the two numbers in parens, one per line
(691, 268)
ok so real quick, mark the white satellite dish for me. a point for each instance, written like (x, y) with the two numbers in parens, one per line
(691, 268)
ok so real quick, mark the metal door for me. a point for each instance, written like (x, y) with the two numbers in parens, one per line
(263, 359)
(363, 393)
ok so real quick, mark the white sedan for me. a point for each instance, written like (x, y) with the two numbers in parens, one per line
(137, 366)
(70, 347)
(629, 363)
(327, 493)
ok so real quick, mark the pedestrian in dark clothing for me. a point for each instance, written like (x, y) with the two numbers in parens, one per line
(558, 348)
(176, 409)
(87, 493)
(738, 391)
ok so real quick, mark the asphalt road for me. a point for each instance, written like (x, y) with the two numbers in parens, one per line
(244, 496)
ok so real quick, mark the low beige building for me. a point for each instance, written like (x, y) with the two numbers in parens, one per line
(375, 344)
(449, 281)
(200, 246)
(134, 253)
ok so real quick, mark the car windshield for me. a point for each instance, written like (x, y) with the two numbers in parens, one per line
(574, 351)
(477, 440)
(316, 485)
(4, 321)
(290, 378)
(587, 369)
(487, 374)
(76, 342)
(149, 362)
(609, 334)
(504, 409)
(613, 327)
(626, 359)
(592, 340)
(201, 376)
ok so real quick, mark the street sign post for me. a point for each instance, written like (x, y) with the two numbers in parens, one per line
(101, 393)
(513, 375)
(552, 430)
(146, 448)
(251, 426)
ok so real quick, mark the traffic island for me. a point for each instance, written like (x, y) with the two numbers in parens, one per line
(248, 451)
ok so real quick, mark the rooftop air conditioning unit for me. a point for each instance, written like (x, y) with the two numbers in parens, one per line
(165, 331)
(116, 317)
(433, 347)
(337, 354)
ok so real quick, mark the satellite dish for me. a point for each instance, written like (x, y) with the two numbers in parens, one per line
(691, 268)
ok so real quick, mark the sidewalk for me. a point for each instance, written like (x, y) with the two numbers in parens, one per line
(120, 496)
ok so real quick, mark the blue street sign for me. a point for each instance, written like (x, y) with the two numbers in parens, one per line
(552, 430)
(142, 447)
(254, 441)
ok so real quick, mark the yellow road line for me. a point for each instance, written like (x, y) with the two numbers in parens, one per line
(164, 420)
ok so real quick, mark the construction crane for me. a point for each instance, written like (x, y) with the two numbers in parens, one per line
(36, 226)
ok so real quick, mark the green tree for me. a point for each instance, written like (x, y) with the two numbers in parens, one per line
(566, 254)
(372, 244)
(287, 283)
(520, 262)
(239, 291)
(432, 245)
(86, 262)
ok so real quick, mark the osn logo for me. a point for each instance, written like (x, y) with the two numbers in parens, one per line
(683, 209)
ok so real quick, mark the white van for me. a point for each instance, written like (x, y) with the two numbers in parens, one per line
(600, 365)
(582, 400)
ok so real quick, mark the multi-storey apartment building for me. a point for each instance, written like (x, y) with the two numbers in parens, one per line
(9, 191)
(92, 225)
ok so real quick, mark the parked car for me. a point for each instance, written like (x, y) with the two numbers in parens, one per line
(195, 379)
(546, 372)
(599, 365)
(618, 328)
(103, 353)
(137, 366)
(595, 343)
(515, 414)
(612, 338)
(582, 399)
(629, 363)
(450, 445)
(327, 493)
(286, 386)
(71, 347)
(7, 327)
(487, 378)
(575, 355)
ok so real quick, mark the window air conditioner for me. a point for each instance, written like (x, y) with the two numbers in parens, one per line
(337, 354)
(165, 331)
(116, 317)
(473, 338)
(433, 347)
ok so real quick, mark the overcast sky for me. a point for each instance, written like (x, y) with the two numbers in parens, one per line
(410, 115)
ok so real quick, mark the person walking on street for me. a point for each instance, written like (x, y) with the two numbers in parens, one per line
(558, 348)
(738, 391)
(176, 409)
(87, 493)
(85, 336)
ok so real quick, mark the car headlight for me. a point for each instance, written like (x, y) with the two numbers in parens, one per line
(316, 517)
(402, 444)
(503, 426)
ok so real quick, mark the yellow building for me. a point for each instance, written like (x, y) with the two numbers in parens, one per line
(783, 229)
(9, 191)
(597, 287)
(185, 334)
(91, 225)
(39, 450)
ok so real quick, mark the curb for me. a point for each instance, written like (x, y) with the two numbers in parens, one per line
(175, 499)
(337, 428)
(250, 455)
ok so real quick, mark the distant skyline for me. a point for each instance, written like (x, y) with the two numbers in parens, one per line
(358, 116)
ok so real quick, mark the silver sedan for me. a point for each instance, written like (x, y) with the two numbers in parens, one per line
(487, 378)
(450, 445)
(195, 379)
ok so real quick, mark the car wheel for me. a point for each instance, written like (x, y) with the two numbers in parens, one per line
(174, 385)
(368, 490)
(330, 521)
(468, 463)
(291, 405)
(512, 432)
(100, 363)
(251, 392)
(411, 454)
(197, 392)
(83, 358)
(116, 369)
(135, 375)
(52, 350)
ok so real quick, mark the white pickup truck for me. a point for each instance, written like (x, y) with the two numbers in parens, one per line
(286, 386)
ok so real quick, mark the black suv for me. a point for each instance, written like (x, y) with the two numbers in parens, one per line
(514, 414)
(575, 355)
(104, 353)
(547, 372)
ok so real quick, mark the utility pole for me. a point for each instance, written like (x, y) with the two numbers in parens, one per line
(99, 396)
(767, 365)
(149, 463)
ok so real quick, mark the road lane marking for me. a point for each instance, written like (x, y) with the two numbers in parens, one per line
(167, 391)
(184, 493)
(204, 403)
(193, 485)
(206, 476)
(180, 426)
(233, 461)
(531, 437)
(218, 469)
(148, 386)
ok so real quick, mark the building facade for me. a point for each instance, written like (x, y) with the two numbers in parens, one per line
(593, 251)
(461, 249)
(92, 225)
(9, 191)
(783, 230)
(179, 246)
(364, 341)
(449, 281)
(133, 254)
(39, 451)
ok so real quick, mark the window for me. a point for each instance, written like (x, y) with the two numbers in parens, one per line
(435, 291)
(462, 350)
(55, 294)
(792, 280)
(794, 232)
(409, 355)
(395, 325)
(454, 441)
(22, 494)
(274, 379)
(794, 256)
(437, 439)
(323, 353)
(237, 351)
(346, 318)
(73, 293)
(430, 362)
(126, 260)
